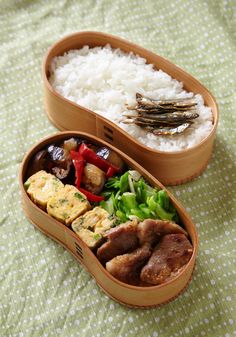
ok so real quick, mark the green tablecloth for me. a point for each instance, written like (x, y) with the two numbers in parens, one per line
(43, 289)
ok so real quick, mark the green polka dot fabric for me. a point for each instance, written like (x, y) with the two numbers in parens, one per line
(44, 291)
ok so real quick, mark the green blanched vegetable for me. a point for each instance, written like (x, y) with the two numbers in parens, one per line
(119, 183)
(129, 196)
(122, 216)
(129, 200)
(108, 205)
(158, 210)
(138, 214)
(163, 199)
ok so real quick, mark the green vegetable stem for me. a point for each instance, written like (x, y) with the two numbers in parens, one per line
(129, 196)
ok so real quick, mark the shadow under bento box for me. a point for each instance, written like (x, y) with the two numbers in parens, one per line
(134, 296)
(171, 168)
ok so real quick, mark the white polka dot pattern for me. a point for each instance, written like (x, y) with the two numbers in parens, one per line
(44, 291)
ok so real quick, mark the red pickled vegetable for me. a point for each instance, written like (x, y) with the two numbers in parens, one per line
(79, 163)
(90, 196)
(91, 157)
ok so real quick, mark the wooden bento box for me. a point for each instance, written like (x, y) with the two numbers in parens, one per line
(134, 296)
(171, 168)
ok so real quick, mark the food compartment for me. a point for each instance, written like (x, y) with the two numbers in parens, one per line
(115, 234)
(171, 167)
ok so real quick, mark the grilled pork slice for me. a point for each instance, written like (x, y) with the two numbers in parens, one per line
(151, 230)
(169, 256)
(121, 239)
(127, 267)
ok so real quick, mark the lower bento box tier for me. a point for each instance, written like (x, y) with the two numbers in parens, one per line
(171, 167)
(46, 198)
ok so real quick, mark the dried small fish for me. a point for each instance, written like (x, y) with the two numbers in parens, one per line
(168, 131)
(168, 117)
(162, 109)
(163, 117)
(178, 102)
(146, 122)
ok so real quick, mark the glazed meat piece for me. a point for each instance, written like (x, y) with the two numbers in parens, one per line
(169, 256)
(70, 144)
(121, 239)
(93, 178)
(151, 230)
(127, 267)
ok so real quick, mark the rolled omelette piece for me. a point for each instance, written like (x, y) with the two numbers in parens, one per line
(68, 204)
(92, 225)
(41, 186)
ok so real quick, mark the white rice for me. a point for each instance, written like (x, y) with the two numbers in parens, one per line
(104, 80)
